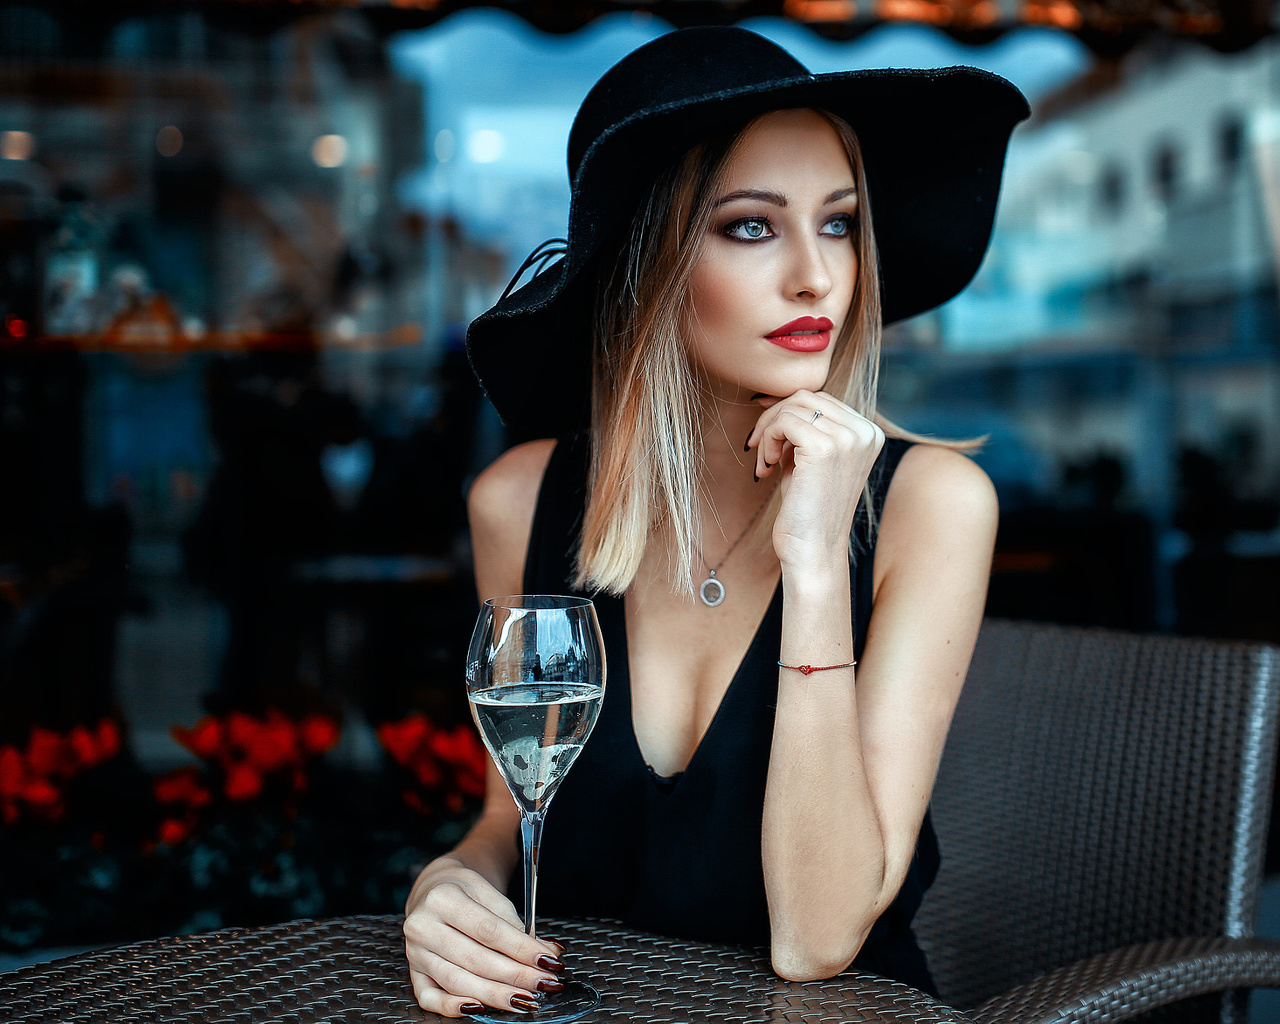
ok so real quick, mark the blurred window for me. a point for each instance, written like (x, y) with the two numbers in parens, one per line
(1165, 171)
(1111, 190)
(1230, 143)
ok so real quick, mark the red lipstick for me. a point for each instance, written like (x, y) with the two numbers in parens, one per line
(804, 334)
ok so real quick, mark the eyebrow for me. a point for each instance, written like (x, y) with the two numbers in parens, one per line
(777, 198)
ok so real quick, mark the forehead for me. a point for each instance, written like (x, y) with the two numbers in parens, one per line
(796, 145)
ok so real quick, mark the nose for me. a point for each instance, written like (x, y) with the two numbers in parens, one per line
(809, 274)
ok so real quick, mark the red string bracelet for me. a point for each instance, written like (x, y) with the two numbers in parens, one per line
(805, 670)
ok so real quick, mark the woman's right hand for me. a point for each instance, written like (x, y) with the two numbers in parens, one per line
(467, 947)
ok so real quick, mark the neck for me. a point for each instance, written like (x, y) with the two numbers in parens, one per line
(728, 470)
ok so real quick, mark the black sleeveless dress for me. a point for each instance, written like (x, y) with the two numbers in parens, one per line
(681, 855)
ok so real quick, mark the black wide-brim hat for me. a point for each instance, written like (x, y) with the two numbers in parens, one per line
(933, 145)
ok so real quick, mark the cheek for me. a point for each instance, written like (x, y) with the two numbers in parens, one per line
(712, 295)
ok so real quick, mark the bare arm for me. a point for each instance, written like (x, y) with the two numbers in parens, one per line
(463, 938)
(855, 751)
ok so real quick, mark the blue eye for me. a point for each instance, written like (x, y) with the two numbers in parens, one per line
(839, 227)
(749, 229)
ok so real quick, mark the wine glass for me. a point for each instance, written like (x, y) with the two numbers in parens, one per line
(535, 680)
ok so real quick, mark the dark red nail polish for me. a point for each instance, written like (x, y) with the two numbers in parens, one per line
(549, 963)
(550, 985)
(747, 446)
(524, 1003)
(754, 476)
(471, 1008)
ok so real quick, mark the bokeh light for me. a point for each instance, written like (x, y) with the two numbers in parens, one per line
(486, 146)
(445, 145)
(169, 140)
(329, 151)
(17, 145)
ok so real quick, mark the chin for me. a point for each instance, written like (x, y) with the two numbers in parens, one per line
(784, 387)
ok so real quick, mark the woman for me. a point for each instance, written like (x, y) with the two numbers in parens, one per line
(788, 600)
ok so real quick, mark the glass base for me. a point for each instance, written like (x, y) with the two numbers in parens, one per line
(576, 1000)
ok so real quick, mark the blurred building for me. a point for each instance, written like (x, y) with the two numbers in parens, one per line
(1127, 315)
(213, 365)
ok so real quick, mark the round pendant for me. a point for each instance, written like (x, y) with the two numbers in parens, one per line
(711, 592)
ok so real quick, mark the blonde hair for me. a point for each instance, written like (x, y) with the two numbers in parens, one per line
(646, 409)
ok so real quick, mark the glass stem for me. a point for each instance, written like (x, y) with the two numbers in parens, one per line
(531, 839)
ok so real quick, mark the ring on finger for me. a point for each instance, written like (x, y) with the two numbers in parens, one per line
(816, 414)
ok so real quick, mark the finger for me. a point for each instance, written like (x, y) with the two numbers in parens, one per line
(771, 412)
(496, 903)
(456, 980)
(812, 406)
(473, 958)
(846, 428)
(492, 923)
(792, 428)
(505, 932)
(432, 998)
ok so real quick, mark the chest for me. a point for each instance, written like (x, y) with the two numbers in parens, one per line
(682, 657)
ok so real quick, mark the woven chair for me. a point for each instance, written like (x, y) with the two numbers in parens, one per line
(1102, 807)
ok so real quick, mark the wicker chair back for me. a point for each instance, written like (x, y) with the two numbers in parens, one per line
(1097, 790)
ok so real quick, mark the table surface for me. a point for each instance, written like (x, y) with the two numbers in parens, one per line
(352, 969)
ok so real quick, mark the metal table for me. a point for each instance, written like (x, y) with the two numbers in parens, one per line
(352, 969)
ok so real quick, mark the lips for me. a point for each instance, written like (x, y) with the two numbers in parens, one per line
(804, 334)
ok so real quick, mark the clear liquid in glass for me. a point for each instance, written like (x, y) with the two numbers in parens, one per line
(535, 731)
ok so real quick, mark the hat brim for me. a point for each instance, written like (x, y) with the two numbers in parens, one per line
(933, 145)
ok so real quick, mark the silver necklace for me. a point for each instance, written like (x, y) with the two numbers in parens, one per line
(712, 591)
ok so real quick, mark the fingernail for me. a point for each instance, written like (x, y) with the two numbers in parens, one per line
(549, 963)
(525, 1003)
(550, 985)
(747, 447)
(754, 476)
(768, 464)
(471, 1008)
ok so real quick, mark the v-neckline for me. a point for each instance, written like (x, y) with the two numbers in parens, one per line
(667, 784)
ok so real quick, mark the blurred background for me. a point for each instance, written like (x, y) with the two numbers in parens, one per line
(239, 247)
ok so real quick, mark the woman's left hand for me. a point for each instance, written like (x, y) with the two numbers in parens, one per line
(824, 460)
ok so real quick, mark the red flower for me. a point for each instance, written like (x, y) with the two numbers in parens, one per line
(269, 744)
(108, 738)
(318, 734)
(181, 786)
(12, 771)
(84, 747)
(205, 740)
(461, 749)
(43, 796)
(403, 739)
(243, 782)
(47, 754)
(241, 729)
(12, 774)
(427, 772)
(453, 760)
(173, 830)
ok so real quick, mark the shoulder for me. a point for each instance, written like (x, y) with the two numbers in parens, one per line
(939, 503)
(512, 480)
(933, 478)
(500, 507)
